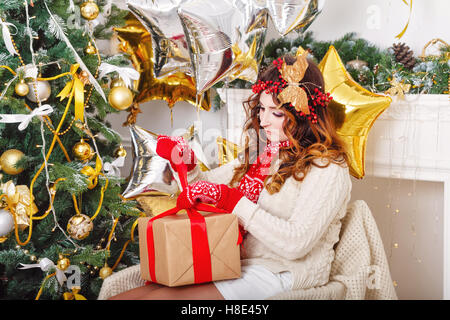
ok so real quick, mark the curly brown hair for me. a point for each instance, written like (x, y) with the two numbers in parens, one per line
(309, 141)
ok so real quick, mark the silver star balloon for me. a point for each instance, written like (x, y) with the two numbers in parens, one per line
(288, 15)
(225, 39)
(170, 49)
(150, 172)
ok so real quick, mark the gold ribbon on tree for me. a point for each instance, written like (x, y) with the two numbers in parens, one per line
(93, 173)
(19, 202)
(74, 295)
(75, 88)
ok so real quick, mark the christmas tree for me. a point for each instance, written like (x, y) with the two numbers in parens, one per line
(63, 224)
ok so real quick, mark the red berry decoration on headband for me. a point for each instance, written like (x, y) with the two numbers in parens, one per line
(294, 74)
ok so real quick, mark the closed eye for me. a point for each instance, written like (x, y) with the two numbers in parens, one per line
(275, 112)
(278, 114)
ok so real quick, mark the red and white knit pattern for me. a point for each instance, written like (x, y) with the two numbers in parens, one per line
(204, 191)
(252, 183)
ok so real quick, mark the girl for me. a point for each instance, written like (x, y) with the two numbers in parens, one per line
(289, 199)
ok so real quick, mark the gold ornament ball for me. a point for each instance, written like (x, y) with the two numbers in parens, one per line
(90, 49)
(105, 272)
(63, 263)
(118, 82)
(79, 226)
(120, 98)
(21, 88)
(89, 10)
(356, 64)
(9, 159)
(120, 152)
(43, 91)
(83, 151)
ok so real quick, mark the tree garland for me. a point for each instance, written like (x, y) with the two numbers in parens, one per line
(430, 75)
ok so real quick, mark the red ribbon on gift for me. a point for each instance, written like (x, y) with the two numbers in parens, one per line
(199, 236)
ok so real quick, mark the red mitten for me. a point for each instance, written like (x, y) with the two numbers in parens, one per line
(176, 150)
(220, 195)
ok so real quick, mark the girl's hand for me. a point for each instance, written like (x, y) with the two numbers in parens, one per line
(220, 195)
(176, 150)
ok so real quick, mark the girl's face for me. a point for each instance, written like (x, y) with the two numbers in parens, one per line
(271, 118)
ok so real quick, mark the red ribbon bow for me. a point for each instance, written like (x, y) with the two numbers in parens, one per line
(200, 246)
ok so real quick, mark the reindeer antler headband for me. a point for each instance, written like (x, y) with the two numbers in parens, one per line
(289, 90)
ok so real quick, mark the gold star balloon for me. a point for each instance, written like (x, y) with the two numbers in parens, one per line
(136, 41)
(354, 109)
(228, 151)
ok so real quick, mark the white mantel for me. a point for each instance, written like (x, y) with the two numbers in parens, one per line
(410, 140)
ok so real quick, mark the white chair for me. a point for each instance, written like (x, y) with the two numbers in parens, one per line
(359, 271)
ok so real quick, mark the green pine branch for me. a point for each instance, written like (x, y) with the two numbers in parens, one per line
(427, 77)
(50, 237)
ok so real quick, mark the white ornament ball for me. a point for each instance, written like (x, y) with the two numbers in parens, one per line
(43, 91)
(6, 222)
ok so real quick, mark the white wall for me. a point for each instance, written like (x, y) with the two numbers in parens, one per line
(409, 217)
(379, 21)
(416, 265)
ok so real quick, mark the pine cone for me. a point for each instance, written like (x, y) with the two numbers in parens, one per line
(404, 55)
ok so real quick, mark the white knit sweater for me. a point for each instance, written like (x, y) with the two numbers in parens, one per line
(295, 229)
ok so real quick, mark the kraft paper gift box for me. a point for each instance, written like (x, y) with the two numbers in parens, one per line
(173, 254)
(154, 205)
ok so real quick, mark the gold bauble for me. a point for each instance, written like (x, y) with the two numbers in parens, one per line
(118, 82)
(90, 49)
(120, 98)
(21, 88)
(43, 91)
(79, 226)
(63, 263)
(89, 10)
(120, 152)
(83, 150)
(9, 159)
(356, 64)
(105, 272)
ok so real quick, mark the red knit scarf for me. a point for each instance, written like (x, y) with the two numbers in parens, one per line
(252, 183)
